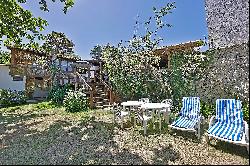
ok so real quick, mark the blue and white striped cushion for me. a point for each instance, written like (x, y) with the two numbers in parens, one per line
(229, 120)
(184, 122)
(189, 114)
(190, 107)
(232, 132)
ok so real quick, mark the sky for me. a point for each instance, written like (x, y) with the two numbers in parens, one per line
(92, 22)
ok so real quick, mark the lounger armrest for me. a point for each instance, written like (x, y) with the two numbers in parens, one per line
(177, 114)
(211, 122)
(201, 119)
(246, 130)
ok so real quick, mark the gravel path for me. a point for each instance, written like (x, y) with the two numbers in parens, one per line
(31, 136)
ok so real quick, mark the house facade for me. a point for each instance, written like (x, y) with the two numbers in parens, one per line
(228, 36)
(227, 22)
(9, 82)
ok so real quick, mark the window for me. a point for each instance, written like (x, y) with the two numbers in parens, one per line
(17, 78)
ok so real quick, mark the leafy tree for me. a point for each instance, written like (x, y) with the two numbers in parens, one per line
(58, 43)
(133, 67)
(134, 71)
(186, 69)
(96, 52)
(17, 23)
(4, 57)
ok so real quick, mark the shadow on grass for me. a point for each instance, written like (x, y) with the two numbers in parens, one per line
(230, 148)
(152, 128)
(165, 155)
(87, 142)
(191, 136)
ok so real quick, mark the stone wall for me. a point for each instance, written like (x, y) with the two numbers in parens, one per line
(227, 21)
(227, 75)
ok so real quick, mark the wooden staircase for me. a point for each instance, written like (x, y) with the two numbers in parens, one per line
(98, 93)
(101, 96)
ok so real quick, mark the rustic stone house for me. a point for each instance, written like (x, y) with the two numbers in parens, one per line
(228, 34)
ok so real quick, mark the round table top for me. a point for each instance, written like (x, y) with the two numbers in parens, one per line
(154, 105)
(132, 103)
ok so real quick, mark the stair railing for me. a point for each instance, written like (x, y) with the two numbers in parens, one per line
(109, 89)
(91, 98)
(84, 81)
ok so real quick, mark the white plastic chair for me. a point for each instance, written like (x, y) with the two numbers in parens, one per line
(145, 100)
(144, 116)
(119, 112)
(166, 111)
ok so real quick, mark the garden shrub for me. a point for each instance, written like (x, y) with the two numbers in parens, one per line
(75, 101)
(187, 69)
(11, 98)
(45, 105)
(245, 108)
(4, 57)
(133, 67)
(58, 92)
(207, 109)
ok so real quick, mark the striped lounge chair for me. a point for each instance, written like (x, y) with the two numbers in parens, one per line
(189, 118)
(228, 124)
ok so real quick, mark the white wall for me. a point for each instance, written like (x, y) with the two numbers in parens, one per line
(6, 81)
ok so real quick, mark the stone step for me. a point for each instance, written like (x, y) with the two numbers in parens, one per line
(97, 97)
(31, 101)
(97, 90)
(99, 107)
(101, 103)
(100, 98)
(102, 94)
(107, 105)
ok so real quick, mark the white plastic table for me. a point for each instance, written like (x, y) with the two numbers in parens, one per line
(156, 107)
(131, 104)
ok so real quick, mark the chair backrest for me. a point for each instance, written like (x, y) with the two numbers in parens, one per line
(167, 101)
(115, 107)
(145, 100)
(190, 107)
(229, 111)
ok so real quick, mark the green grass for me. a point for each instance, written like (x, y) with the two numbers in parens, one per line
(46, 134)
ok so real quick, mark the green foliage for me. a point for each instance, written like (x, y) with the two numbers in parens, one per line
(44, 6)
(58, 43)
(11, 98)
(133, 66)
(96, 52)
(187, 69)
(75, 101)
(4, 57)
(57, 93)
(17, 24)
(245, 108)
(45, 105)
(207, 109)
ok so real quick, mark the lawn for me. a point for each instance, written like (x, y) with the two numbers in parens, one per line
(37, 134)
